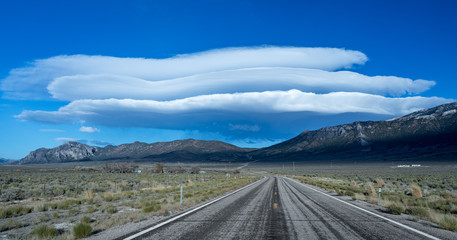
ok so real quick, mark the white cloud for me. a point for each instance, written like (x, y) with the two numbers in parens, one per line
(51, 130)
(89, 129)
(66, 139)
(252, 102)
(244, 127)
(255, 143)
(30, 82)
(102, 86)
(83, 141)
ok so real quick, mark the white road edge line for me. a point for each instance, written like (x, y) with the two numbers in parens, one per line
(188, 212)
(372, 213)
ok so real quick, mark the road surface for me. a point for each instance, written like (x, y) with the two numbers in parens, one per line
(281, 208)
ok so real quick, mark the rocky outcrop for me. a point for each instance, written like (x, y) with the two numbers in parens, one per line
(68, 152)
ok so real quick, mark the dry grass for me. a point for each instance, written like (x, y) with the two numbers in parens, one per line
(417, 191)
(89, 194)
(158, 187)
(449, 222)
(372, 190)
(380, 182)
(396, 209)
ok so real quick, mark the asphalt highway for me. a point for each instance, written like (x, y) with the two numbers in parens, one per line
(281, 208)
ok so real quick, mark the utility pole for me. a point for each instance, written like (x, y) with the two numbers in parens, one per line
(294, 165)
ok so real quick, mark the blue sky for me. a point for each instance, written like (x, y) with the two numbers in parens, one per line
(251, 73)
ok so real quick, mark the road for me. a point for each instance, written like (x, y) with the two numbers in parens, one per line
(281, 208)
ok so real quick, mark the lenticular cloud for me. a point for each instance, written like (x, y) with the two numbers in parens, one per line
(233, 82)
(31, 81)
(251, 102)
(103, 86)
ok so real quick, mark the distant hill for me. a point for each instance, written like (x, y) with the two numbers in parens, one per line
(7, 161)
(426, 134)
(179, 150)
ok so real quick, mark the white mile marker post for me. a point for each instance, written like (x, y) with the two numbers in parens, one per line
(180, 202)
(379, 200)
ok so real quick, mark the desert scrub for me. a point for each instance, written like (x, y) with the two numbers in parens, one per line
(11, 194)
(449, 222)
(85, 220)
(429, 193)
(395, 209)
(445, 206)
(151, 206)
(15, 211)
(12, 224)
(65, 194)
(418, 211)
(41, 208)
(109, 209)
(82, 230)
(45, 232)
(90, 209)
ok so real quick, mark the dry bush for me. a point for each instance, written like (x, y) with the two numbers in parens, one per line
(396, 209)
(419, 211)
(195, 170)
(354, 183)
(11, 194)
(82, 230)
(45, 232)
(89, 194)
(380, 182)
(372, 190)
(449, 222)
(417, 192)
(159, 168)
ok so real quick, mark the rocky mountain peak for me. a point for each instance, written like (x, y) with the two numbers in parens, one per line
(445, 110)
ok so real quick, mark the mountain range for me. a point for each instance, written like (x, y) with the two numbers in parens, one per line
(426, 134)
(179, 150)
(4, 160)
